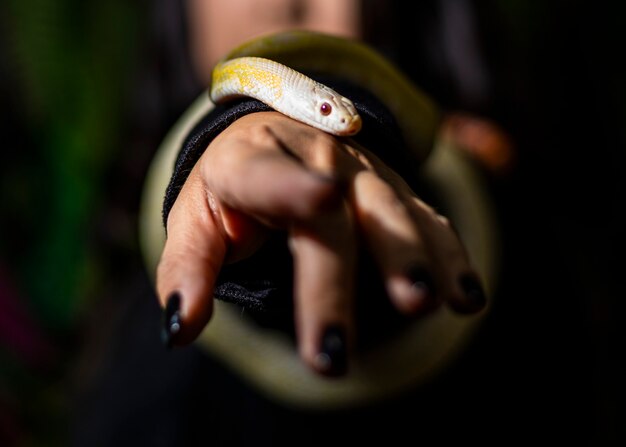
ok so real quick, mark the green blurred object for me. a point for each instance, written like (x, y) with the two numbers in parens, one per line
(70, 63)
(65, 77)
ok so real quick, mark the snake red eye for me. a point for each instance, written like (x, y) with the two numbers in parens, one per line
(326, 108)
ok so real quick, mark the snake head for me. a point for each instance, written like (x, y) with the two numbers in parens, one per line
(335, 113)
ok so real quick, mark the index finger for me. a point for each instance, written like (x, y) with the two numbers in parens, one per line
(191, 260)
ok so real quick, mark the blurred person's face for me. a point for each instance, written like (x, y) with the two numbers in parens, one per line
(217, 26)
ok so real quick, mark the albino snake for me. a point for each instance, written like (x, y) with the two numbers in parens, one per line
(287, 91)
(271, 69)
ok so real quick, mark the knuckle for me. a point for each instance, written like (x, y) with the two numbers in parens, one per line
(324, 151)
(361, 158)
(381, 193)
(248, 130)
(390, 201)
(448, 226)
(259, 134)
(263, 135)
(444, 221)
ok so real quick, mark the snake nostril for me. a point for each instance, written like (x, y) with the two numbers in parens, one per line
(343, 120)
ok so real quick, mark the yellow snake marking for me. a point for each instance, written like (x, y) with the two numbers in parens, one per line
(248, 76)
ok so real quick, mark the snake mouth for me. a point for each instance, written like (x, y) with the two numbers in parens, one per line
(354, 126)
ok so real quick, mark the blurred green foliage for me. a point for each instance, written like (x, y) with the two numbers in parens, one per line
(66, 74)
(69, 64)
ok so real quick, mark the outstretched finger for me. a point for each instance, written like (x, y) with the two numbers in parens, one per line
(396, 243)
(461, 285)
(423, 260)
(324, 265)
(192, 257)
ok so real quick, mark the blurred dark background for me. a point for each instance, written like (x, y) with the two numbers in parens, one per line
(88, 89)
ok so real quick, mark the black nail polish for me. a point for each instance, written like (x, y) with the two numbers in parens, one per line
(422, 280)
(332, 359)
(473, 291)
(171, 319)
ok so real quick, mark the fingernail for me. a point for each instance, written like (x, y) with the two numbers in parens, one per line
(171, 319)
(332, 360)
(473, 291)
(421, 281)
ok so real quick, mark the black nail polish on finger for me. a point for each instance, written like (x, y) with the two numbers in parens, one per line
(332, 360)
(171, 320)
(474, 293)
(422, 281)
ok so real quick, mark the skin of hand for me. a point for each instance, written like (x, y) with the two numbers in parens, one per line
(267, 172)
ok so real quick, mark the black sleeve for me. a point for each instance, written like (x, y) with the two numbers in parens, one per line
(263, 282)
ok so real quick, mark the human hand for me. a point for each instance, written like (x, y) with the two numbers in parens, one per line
(267, 171)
